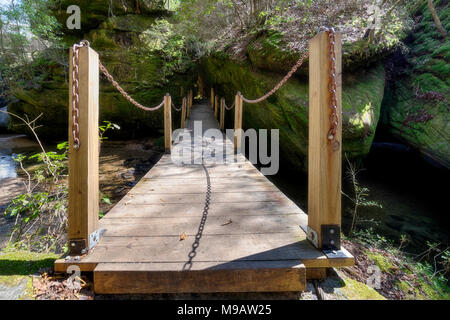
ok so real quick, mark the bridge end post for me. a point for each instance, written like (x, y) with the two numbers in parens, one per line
(212, 98)
(168, 123)
(324, 154)
(238, 123)
(83, 185)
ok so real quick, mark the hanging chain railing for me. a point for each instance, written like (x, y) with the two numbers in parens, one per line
(281, 83)
(183, 104)
(225, 105)
(124, 94)
(334, 118)
(75, 93)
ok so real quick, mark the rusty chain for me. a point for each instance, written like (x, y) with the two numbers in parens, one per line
(225, 105)
(75, 93)
(124, 94)
(281, 83)
(334, 118)
(183, 103)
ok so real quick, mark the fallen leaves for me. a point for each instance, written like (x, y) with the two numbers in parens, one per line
(61, 288)
(228, 222)
(183, 236)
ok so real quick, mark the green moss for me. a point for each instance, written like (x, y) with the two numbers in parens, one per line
(146, 74)
(381, 261)
(287, 109)
(355, 290)
(420, 121)
(132, 22)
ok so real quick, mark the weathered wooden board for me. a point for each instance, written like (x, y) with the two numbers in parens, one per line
(132, 210)
(214, 226)
(218, 248)
(239, 277)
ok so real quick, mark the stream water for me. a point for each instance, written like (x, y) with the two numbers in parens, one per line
(411, 191)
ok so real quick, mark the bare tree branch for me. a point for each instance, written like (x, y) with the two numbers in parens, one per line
(436, 19)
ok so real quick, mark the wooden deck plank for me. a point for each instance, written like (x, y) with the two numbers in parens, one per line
(215, 248)
(119, 279)
(216, 197)
(135, 211)
(214, 226)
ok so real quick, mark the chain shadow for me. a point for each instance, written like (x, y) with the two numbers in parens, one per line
(188, 265)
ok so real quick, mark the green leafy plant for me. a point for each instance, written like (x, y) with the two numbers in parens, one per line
(40, 213)
(105, 126)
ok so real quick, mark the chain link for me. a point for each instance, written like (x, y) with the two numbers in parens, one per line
(183, 103)
(334, 118)
(75, 93)
(281, 83)
(225, 105)
(124, 94)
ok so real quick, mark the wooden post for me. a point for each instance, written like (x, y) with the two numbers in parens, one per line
(167, 123)
(212, 98)
(216, 107)
(222, 114)
(190, 103)
(183, 112)
(237, 123)
(324, 155)
(83, 163)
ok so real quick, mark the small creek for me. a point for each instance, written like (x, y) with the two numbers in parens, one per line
(411, 190)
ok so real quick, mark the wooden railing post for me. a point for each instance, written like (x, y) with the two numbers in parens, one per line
(183, 112)
(83, 187)
(190, 103)
(324, 155)
(237, 123)
(212, 98)
(216, 107)
(168, 123)
(222, 114)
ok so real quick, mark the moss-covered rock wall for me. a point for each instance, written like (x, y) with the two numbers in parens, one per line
(416, 104)
(136, 43)
(287, 110)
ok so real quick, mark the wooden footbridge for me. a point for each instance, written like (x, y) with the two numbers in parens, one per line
(202, 226)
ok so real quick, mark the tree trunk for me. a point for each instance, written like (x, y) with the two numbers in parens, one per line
(437, 22)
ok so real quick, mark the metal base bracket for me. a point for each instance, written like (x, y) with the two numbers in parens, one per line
(78, 247)
(331, 237)
(311, 235)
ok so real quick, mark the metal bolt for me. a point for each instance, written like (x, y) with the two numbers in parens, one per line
(83, 251)
(77, 258)
(331, 242)
(73, 244)
(331, 231)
